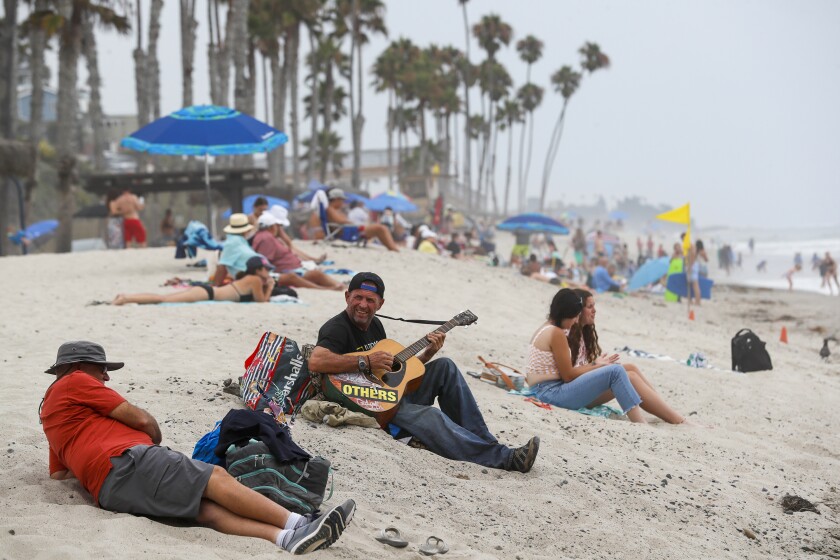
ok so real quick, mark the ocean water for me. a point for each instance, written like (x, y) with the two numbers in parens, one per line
(778, 248)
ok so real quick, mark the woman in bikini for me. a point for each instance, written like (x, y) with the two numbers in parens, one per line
(256, 285)
(555, 379)
(583, 340)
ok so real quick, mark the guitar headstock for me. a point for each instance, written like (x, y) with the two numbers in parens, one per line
(465, 318)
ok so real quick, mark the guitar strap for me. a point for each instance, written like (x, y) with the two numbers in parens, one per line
(419, 321)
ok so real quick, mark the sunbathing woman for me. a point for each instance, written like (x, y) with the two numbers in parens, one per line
(583, 340)
(255, 285)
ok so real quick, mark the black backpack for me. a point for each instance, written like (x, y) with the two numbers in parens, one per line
(298, 486)
(749, 353)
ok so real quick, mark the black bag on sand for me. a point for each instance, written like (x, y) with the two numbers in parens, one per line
(749, 353)
(298, 486)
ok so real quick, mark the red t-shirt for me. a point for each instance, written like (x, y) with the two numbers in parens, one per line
(277, 252)
(82, 437)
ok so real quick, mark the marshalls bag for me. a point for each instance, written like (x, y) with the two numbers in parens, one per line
(749, 353)
(276, 370)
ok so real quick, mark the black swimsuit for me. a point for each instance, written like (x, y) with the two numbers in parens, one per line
(209, 290)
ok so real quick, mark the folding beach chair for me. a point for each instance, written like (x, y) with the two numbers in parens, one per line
(334, 232)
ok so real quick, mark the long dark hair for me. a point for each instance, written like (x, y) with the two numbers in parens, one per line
(585, 332)
(566, 304)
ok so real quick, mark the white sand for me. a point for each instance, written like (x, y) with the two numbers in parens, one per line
(600, 488)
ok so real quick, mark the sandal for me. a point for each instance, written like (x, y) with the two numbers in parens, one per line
(391, 536)
(433, 546)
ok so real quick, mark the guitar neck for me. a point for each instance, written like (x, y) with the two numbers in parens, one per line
(414, 349)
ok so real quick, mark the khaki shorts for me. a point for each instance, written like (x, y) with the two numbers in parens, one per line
(154, 480)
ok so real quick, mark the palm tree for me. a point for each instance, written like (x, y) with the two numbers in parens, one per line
(465, 77)
(492, 33)
(39, 31)
(362, 17)
(72, 14)
(510, 113)
(494, 81)
(188, 29)
(566, 82)
(530, 96)
(8, 102)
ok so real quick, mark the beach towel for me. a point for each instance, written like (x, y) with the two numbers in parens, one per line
(196, 236)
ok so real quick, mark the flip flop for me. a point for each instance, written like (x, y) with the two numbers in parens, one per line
(391, 536)
(433, 546)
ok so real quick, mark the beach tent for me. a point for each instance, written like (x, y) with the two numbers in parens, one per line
(205, 130)
(396, 201)
(248, 204)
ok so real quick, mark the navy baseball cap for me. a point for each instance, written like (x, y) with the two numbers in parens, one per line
(368, 278)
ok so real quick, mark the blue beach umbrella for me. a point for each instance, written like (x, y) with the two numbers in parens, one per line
(617, 215)
(397, 202)
(205, 130)
(537, 223)
(648, 273)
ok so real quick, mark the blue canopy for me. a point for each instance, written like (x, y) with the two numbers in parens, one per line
(205, 130)
(648, 273)
(248, 204)
(397, 202)
(537, 223)
(617, 215)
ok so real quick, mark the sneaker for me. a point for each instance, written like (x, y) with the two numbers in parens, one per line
(348, 508)
(523, 458)
(320, 533)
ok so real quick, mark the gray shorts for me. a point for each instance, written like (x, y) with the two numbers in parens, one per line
(154, 480)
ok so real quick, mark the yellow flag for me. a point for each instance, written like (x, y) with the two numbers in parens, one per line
(679, 215)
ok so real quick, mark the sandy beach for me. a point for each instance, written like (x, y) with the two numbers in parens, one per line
(601, 488)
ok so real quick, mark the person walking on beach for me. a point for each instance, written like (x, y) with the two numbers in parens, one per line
(113, 448)
(456, 430)
(128, 205)
(830, 273)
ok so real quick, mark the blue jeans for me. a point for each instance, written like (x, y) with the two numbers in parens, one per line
(583, 390)
(456, 430)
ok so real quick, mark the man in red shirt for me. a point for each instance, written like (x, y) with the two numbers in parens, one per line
(112, 447)
(284, 259)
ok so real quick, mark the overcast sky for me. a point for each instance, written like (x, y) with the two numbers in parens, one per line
(731, 105)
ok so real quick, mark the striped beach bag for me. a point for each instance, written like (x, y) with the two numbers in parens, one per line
(276, 377)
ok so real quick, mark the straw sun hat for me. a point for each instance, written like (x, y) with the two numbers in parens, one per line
(238, 224)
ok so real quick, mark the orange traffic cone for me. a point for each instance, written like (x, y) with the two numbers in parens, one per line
(690, 314)
(783, 336)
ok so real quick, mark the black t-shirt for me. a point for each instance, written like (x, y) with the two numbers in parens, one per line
(341, 336)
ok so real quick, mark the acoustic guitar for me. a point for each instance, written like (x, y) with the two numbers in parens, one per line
(378, 393)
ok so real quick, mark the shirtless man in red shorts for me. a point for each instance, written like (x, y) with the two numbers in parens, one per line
(128, 205)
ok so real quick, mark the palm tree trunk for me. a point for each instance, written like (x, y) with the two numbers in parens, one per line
(357, 120)
(68, 58)
(523, 194)
(8, 106)
(294, 37)
(239, 46)
(152, 65)
(277, 158)
(313, 162)
(509, 166)
(467, 139)
(390, 127)
(212, 54)
(491, 171)
(326, 155)
(188, 27)
(37, 44)
(225, 49)
(140, 72)
(552, 153)
(95, 101)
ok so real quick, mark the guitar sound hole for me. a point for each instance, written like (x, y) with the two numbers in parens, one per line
(395, 376)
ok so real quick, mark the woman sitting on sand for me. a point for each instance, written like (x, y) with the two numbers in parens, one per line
(583, 340)
(255, 285)
(555, 379)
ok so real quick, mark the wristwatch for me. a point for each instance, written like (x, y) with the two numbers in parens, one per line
(362, 365)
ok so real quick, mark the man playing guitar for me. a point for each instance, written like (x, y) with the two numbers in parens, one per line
(457, 430)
